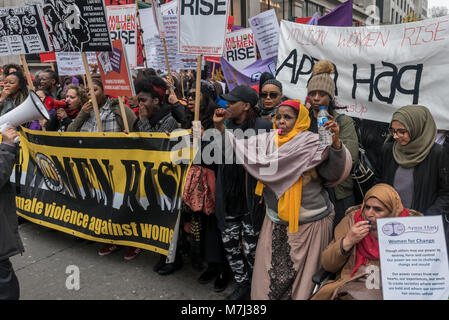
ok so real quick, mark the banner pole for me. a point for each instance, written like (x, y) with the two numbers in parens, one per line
(92, 93)
(182, 84)
(196, 124)
(141, 39)
(122, 110)
(27, 71)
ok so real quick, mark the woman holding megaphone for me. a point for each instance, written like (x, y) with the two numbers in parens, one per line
(75, 98)
(14, 92)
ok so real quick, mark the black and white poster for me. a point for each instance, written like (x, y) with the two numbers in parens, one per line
(22, 31)
(77, 25)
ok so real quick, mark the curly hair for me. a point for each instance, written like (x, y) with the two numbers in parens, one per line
(80, 92)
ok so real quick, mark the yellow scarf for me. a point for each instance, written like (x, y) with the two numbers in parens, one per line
(290, 202)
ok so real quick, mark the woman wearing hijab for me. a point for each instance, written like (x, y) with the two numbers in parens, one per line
(355, 246)
(299, 215)
(416, 166)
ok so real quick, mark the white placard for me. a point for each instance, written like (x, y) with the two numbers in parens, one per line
(71, 63)
(266, 31)
(413, 258)
(378, 68)
(202, 26)
(122, 22)
(240, 48)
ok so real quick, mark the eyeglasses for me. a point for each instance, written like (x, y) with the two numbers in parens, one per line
(271, 95)
(398, 132)
(191, 95)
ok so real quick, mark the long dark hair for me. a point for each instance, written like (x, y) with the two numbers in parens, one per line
(23, 87)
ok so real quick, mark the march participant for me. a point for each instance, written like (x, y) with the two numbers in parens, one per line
(235, 189)
(49, 81)
(298, 213)
(321, 92)
(14, 92)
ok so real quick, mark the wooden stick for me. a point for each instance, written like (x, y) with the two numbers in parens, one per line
(182, 84)
(198, 88)
(141, 39)
(92, 93)
(122, 110)
(27, 72)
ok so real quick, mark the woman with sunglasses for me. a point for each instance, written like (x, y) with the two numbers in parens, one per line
(270, 98)
(416, 166)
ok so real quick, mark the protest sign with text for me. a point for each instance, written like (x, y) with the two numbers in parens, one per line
(378, 69)
(122, 21)
(266, 31)
(22, 31)
(108, 187)
(202, 26)
(413, 258)
(71, 63)
(240, 48)
(77, 26)
(114, 71)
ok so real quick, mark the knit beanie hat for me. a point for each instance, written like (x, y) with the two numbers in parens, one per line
(321, 78)
(273, 82)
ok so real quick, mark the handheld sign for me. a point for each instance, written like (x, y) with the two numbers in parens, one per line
(266, 31)
(202, 26)
(77, 25)
(22, 31)
(240, 48)
(413, 258)
(122, 21)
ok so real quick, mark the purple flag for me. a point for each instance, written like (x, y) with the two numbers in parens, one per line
(314, 20)
(250, 75)
(341, 16)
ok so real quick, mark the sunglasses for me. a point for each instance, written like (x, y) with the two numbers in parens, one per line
(191, 95)
(398, 132)
(271, 95)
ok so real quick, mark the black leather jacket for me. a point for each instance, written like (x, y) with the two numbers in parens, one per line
(430, 178)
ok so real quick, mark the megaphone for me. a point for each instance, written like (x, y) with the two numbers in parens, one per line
(29, 110)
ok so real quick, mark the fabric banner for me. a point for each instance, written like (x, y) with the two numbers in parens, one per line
(77, 25)
(202, 26)
(378, 69)
(128, 192)
(266, 31)
(114, 71)
(240, 48)
(122, 21)
(22, 31)
(341, 16)
(250, 75)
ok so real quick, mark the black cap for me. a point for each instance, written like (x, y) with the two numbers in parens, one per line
(242, 93)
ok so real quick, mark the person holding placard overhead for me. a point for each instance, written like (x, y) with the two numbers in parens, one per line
(355, 246)
(415, 165)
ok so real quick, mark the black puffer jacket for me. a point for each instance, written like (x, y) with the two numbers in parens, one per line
(430, 178)
(10, 242)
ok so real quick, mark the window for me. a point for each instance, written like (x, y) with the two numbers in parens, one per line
(283, 8)
(310, 8)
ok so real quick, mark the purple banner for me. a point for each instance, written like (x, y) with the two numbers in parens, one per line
(341, 16)
(250, 75)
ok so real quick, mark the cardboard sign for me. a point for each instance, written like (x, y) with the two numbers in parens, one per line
(240, 48)
(71, 63)
(413, 258)
(202, 26)
(266, 31)
(122, 21)
(114, 71)
(22, 31)
(77, 26)
(378, 69)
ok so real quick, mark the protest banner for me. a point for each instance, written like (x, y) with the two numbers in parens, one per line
(341, 16)
(413, 258)
(377, 69)
(122, 21)
(22, 31)
(240, 48)
(77, 26)
(266, 31)
(202, 26)
(250, 75)
(111, 187)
